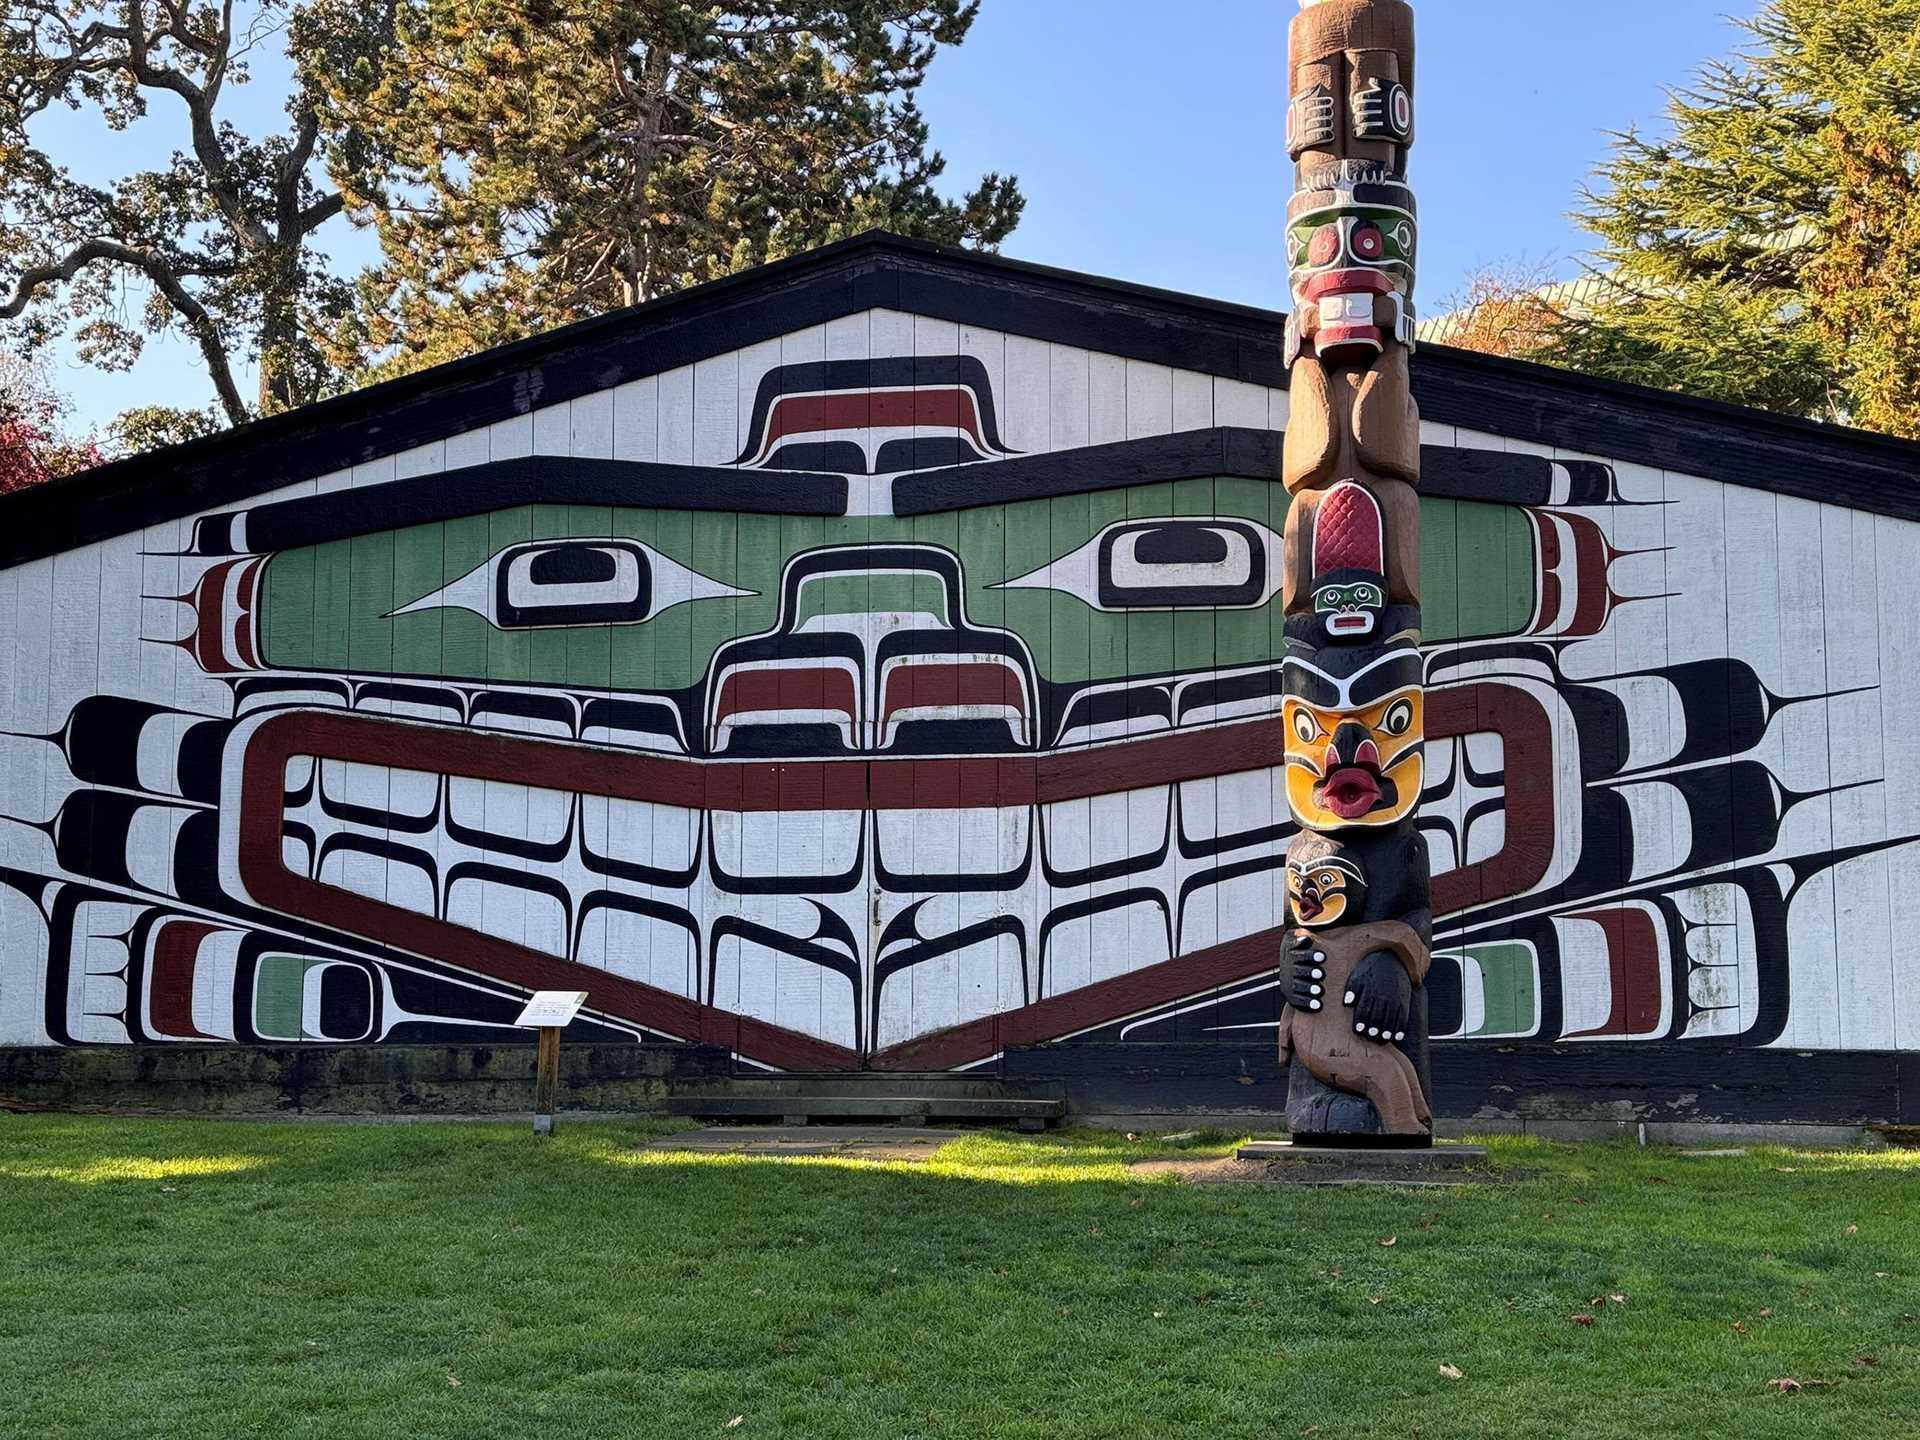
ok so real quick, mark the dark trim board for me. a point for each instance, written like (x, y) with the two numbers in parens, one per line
(1661, 1083)
(1520, 401)
(1493, 1082)
(1223, 451)
(529, 480)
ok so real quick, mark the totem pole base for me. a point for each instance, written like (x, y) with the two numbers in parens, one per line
(1368, 1162)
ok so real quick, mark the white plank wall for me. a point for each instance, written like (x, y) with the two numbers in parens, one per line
(1818, 599)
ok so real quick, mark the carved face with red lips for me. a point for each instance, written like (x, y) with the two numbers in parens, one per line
(1355, 737)
(1324, 886)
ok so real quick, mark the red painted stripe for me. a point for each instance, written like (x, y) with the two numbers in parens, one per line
(1526, 734)
(861, 410)
(208, 641)
(271, 884)
(1593, 601)
(1098, 1004)
(176, 949)
(755, 785)
(1633, 971)
(809, 687)
(243, 622)
(913, 685)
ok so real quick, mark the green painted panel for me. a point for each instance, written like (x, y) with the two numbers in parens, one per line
(419, 568)
(279, 996)
(1194, 631)
(589, 652)
(331, 607)
(550, 650)
(1489, 600)
(465, 544)
(1509, 986)
(509, 652)
(286, 608)
(1439, 569)
(1028, 546)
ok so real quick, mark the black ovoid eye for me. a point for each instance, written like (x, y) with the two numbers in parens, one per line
(1399, 718)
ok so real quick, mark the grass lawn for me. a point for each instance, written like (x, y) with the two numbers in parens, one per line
(224, 1278)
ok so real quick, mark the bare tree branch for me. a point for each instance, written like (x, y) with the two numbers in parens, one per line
(157, 269)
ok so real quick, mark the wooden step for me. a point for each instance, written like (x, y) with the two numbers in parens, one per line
(860, 1085)
(797, 1109)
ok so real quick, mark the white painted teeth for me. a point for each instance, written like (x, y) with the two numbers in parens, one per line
(1399, 1035)
(1374, 1031)
(1313, 1005)
(1349, 997)
(1319, 975)
(1319, 957)
(1359, 1029)
(1314, 991)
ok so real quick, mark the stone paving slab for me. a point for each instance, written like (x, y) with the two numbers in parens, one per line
(845, 1142)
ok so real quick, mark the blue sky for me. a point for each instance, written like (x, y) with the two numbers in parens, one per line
(1146, 136)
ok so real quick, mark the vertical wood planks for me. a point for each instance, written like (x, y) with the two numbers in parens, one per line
(1861, 892)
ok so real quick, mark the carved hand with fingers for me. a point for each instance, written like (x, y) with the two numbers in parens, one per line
(1304, 974)
(1381, 997)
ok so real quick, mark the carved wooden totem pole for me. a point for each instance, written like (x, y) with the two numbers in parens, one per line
(1359, 911)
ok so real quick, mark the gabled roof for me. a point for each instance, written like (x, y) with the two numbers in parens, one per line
(880, 270)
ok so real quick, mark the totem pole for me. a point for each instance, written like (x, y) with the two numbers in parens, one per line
(1359, 909)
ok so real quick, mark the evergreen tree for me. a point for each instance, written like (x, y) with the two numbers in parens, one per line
(528, 163)
(1769, 250)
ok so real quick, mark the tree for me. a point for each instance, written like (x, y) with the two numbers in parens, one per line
(529, 163)
(1513, 310)
(1769, 250)
(33, 444)
(222, 239)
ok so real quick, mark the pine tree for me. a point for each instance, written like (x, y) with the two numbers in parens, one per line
(1769, 250)
(528, 163)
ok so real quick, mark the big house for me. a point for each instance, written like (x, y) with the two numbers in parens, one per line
(872, 662)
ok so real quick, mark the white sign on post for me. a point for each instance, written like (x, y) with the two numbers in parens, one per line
(552, 1008)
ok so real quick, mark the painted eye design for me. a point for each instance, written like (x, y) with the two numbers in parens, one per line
(1368, 242)
(1403, 237)
(1169, 564)
(548, 583)
(1399, 718)
(1324, 247)
(1326, 879)
(1305, 727)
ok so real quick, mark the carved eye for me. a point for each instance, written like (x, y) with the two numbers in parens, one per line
(549, 583)
(1170, 563)
(1326, 879)
(1305, 727)
(1399, 718)
(1368, 242)
(1324, 248)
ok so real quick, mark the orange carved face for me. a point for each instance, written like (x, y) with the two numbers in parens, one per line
(1355, 745)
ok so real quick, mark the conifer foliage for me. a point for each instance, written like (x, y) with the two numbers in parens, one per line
(529, 163)
(1767, 252)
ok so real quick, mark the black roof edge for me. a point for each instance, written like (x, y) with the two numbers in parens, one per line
(878, 269)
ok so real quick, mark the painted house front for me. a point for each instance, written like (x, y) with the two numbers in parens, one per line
(872, 662)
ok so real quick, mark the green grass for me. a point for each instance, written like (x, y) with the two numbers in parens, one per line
(218, 1279)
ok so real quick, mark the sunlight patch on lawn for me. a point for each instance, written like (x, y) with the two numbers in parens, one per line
(993, 1156)
(136, 1167)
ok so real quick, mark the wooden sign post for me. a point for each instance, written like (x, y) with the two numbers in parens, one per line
(549, 1012)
